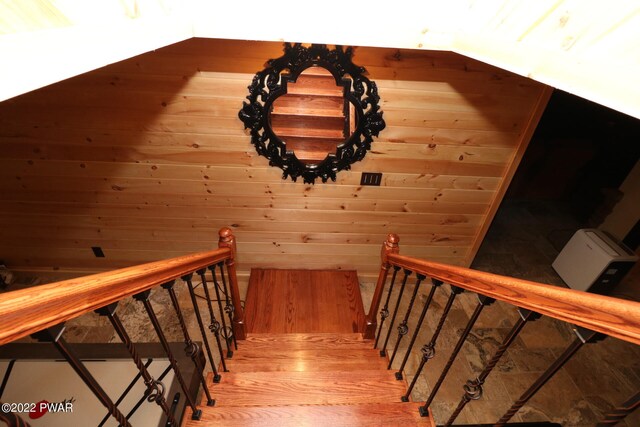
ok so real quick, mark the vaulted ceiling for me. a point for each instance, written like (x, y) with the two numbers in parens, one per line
(588, 48)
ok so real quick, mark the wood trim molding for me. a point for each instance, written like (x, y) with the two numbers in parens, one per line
(26, 311)
(611, 316)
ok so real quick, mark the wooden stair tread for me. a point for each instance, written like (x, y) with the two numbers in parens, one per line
(370, 415)
(312, 144)
(305, 341)
(331, 106)
(306, 388)
(305, 362)
(295, 111)
(293, 132)
(307, 126)
(316, 301)
(316, 360)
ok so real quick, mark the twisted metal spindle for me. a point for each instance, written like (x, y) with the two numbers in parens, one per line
(214, 326)
(155, 389)
(143, 297)
(228, 307)
(384, 313)
(126, 391)
(483, 301)
(429, 349)
(54, 336)
(192, 348)
(216, 286)
(583, 336)
(383, 351)
(473, 388)
(11, 419)
(403, 327)
(434, 284)
(618, 414)
(141, 400)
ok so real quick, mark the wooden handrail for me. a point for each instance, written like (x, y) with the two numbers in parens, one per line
(611, 316)
(30, 310)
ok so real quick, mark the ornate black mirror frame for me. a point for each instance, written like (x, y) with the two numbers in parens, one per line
(270, 83)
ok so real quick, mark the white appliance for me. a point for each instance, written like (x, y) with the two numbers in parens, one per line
(592, 261)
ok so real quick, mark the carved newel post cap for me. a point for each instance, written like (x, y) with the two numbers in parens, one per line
(227, 240)
(225, 234)
(389, 246)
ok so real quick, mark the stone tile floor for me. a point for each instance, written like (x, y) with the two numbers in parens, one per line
(522, 242)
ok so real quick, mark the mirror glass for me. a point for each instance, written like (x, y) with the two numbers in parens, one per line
(307, 117)
(314, 116)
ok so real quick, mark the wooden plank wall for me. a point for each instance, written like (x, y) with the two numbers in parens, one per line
(147, 159)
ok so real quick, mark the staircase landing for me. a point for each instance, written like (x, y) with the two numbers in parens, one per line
(303, 301)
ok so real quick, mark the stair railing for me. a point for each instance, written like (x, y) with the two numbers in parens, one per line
(42, 311)
(594, 317)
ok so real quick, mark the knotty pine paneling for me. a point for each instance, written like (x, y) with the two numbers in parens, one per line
(147, 159)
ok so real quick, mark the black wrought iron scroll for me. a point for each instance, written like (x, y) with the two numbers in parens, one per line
(271, 83)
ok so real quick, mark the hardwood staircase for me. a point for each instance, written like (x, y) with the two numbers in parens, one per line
(302, 358)
(313, 378)
(308, 379)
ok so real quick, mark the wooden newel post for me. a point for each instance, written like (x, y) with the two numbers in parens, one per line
(228, 240)
(390, 246)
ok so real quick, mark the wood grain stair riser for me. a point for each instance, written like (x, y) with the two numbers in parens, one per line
(306, 388)
(284, 359)
(363, 415)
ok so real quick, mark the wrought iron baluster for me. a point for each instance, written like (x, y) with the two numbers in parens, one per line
(126, 391)
(383, 351)
(155, 389)
(216, 286)
(192, 348)
(174, 403)
(473, 388)
(429, 350)
(384, 313)
(483, 301)
(143, 297)
(434, 284)
(618, 414)
(11, 419)
(583, 336)
(54, 335)
(214, 326)
(228, 307)
(403, 327)
(7, 374)
(143, 398)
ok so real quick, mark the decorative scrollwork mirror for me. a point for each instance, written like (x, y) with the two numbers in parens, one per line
(318, 118)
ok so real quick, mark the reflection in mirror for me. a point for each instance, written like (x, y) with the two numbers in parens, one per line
(312, 112)
(314, 116)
